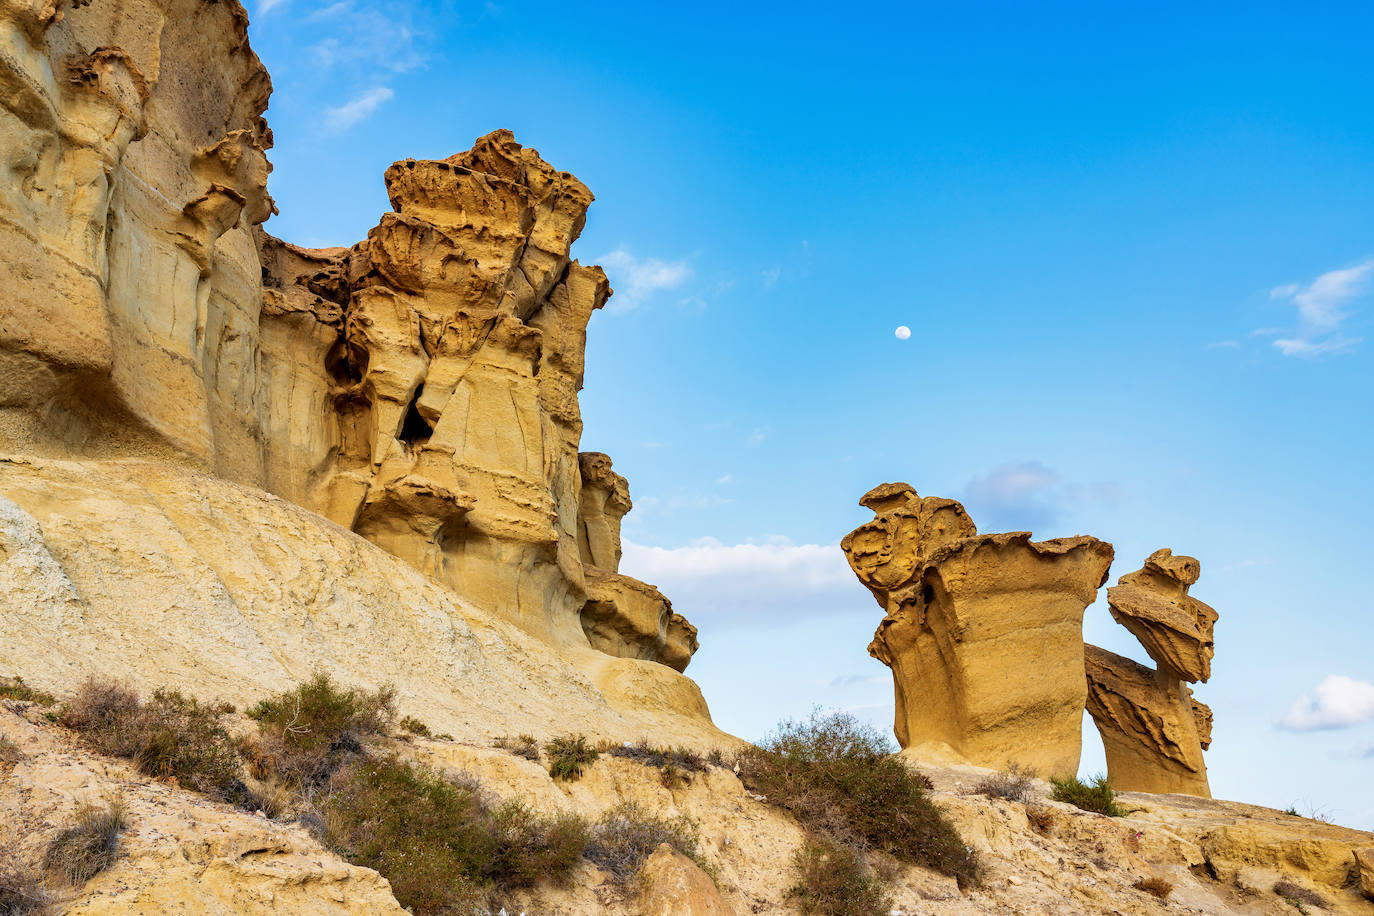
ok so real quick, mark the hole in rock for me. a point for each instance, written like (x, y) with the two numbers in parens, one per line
(415, 429)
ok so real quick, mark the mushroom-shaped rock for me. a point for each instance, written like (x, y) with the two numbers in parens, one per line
(983, 633)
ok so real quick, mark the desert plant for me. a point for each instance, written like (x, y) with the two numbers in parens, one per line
(834, 880)
(1013, 784)
(1156, 886)
(569, 757)
(526, 746)
(676, 765)
(9, 754)
(308, 732)
(414, 726)
(838, 778)
(1298, 896)
(89, 846)
(22, 891)
(268, 796)
(627, 835)
(531, 847)
(14, 688)
(172, 735)
(1096, 795)
(1040, 818)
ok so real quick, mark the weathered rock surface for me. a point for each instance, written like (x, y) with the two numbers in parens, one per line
(983, 633)
(1364, 865)
(1149, 725)
(165, 576)
(1153, 729)
(673, 885)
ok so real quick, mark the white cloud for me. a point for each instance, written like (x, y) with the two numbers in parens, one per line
(345, 116)
(751, 584)
(770, 276)
(757, 435)
(1322, 310)
(373, 35)
(1340, 703)
(266, 6)
(1028, 496)
(635, 280)
(725, 478)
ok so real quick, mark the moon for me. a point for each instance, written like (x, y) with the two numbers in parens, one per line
(902, 332)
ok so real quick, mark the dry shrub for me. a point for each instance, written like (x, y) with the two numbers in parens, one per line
(14, 688)
(309, 732)
(172, 735)
(1156, 886)
(414, 726)
(9, 754)
(22, 891)
(441, 843)
(569, 757)
(834, 880)
(1096, 795)
(89, 846)
(268, 796)
(1014, 784)
(1297, 895)
(838, 778)
(526, 746)
(627, 835)
(1040, 817)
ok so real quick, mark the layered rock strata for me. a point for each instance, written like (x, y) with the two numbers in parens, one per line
(1153, 729)
(419, 388)
(983, 633)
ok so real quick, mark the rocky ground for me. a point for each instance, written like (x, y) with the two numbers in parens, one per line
(184, 854)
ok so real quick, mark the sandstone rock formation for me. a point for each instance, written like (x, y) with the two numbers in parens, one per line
(419, 388)
(983, 633)
(1153, 730)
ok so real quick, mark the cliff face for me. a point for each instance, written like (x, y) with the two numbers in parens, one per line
(419, 388)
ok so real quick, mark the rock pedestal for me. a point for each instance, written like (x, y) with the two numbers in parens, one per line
(983, 633)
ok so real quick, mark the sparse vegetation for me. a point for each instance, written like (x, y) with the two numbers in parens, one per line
(627, 835)
(1013, 784)
(89, 846)
(440, 843)
(1040, 818)
(569, 757)
(172, 735)
(1155, 886)
(834, 880)
(526, 746)
(676, 765)
(1298, 896)
(14, 688)
(22, 891)
(414, 726)
(838, 778)
(309, 732)
(9, 754)
(1096, 795)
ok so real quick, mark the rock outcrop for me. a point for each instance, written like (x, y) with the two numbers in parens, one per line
(983, 633)
(1153, 729)
(419, 388)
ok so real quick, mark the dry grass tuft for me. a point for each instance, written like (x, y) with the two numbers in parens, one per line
(1156, 886)
(1041, 818)
(1014, 784)
(89, 846)
(627, 835)
(22, 891)
(414, 726)
(526, 746)
(14, 688)
(309, 732)
(1297, 895)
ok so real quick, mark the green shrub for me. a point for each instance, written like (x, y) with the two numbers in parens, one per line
(838, 778)
(675, 765)
(414, 726)
(1097, 795)
(14, 688)
(22, 891)
(834, 880)
(89, 846)
(172, 735)
(569, 757)
(627, 835)
(526, 746)
(308, 732)
(531, 847)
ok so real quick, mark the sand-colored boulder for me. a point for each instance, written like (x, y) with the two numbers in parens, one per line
(983, 633)
(1153, 729)
(1364, 867)
(1149, 724)
(673, 885)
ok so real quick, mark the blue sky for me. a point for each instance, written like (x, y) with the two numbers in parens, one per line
(1134, 246)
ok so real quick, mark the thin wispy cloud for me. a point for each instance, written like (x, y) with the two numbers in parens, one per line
(266, 6)
(376, 35)
(1027, 496)
(1322, 307)
(337, 120)
(1340, 702)
(757, 435)
(636, 280)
